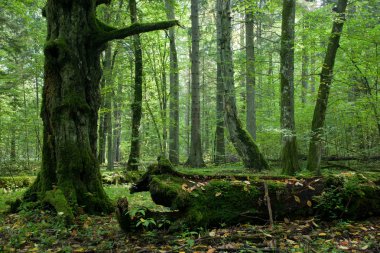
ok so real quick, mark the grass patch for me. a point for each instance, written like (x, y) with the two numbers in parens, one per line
(113, 191)
(227, 170)
(6, 195)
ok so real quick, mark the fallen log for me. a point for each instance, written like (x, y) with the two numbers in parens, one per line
(206, 201)
(336, 158)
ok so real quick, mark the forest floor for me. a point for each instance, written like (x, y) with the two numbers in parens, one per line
(44, 231)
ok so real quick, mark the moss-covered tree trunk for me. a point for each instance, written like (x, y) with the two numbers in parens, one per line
(71, 99)
(289, 152)
(240, 138)
(315, 146)
(134, 155)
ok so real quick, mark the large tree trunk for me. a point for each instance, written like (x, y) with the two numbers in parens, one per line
(71, 99)
(289, 153)
(174, 90)
(134, 155)
(250, 74)
(195, 157)
(240, 138)
(315, 146)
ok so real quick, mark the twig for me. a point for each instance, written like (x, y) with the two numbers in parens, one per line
(268, 204)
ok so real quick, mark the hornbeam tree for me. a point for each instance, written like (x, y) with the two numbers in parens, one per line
(319, 116)
(240, 138)
(71, 99)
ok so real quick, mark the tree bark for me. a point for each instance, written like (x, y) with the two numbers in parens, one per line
(174, 89)
(102, 130)
(305, 66)
(117, 120)
(240, 138)
(250, 75)
(220, 150)
(134, 155)
(108, 95)
(71, 99)
(13, 153)
(195, 157)
(315, 145)
(289, 152)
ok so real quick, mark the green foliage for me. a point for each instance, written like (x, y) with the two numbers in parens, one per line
(352, 196)
(7, 197)
(11, 183)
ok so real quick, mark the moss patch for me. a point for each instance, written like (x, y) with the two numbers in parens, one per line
(57, 199)
(222, 202)
(16, 182)
(169, 191)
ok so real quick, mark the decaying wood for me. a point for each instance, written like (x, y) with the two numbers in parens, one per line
(207, 201)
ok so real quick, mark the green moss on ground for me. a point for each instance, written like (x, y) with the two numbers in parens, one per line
(57, 199)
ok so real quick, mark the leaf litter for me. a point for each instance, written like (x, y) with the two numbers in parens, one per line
(42, 231)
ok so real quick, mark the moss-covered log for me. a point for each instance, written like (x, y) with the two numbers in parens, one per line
(211, 202)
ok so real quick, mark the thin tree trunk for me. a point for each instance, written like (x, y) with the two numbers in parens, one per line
(188, 112)
(315, 146)
(134, 155)
(164, 109)
(305, 66)
(240, 138)
(102, 129)
(195, 158)
(271, 87)
(26, 127)
(37, 125)
(289, 152)
(174, 89)
(220, 150)
(12, 152)
(312, 71)
(107, 70)
(117, 120)
(250, 75)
